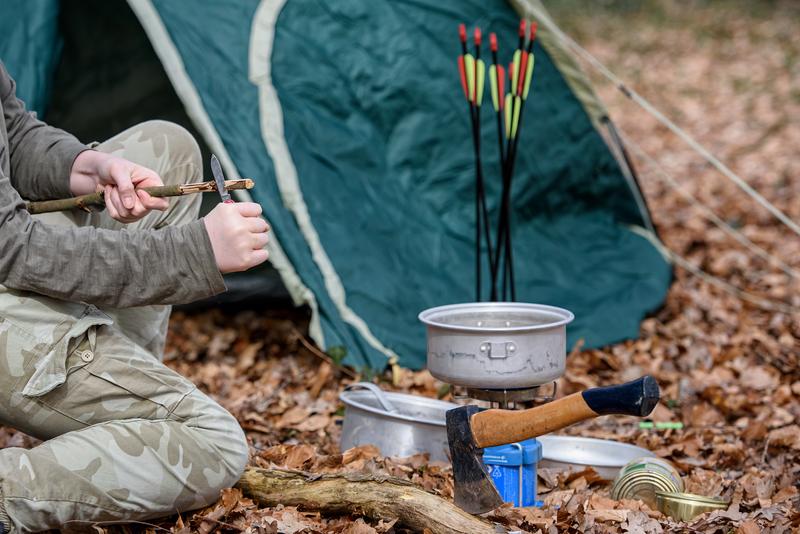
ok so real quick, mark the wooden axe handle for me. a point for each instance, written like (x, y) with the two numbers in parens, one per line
(497, 427)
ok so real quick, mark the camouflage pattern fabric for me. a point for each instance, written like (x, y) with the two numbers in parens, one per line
(128, 438)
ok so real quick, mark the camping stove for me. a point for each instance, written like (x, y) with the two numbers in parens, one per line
(509, 399)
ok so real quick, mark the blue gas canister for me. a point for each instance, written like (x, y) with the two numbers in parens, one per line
(513, 471)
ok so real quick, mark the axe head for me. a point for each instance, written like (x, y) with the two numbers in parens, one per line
(474, 490)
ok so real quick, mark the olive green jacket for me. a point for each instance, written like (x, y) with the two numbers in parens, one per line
(117, 269)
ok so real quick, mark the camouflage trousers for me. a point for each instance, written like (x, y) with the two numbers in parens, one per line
(127, 437)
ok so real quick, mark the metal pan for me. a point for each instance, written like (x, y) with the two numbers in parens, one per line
(603, 455)
(497, 345)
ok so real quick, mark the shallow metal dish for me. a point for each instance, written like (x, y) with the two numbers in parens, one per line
(603, 455)
(497, 345)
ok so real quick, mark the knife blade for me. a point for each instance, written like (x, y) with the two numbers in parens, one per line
(219, 178)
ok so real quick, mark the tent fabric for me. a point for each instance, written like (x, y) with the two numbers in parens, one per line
(350, 118)
(30, 46)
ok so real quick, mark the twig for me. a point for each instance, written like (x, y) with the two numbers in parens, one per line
(97, 200)
(322, 355)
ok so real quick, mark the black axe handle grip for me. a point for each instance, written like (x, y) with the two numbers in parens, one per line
(497, 427)
(638, 397)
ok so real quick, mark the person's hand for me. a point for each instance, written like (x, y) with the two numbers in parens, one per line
(238, 236)
(120, 180)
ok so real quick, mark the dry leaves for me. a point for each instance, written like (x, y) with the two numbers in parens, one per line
(728, 73)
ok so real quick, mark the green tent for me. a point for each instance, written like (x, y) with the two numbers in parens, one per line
(349, 116)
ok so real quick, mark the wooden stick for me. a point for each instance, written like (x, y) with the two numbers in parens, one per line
(97, 200)
(361, 494)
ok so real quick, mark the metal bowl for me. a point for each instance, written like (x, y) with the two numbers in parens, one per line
(398, 424)
(603, 455)
(496, 345)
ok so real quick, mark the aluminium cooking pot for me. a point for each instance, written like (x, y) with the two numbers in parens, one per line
(497, 345)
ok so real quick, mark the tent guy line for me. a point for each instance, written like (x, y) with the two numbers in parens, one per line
(632, 95)
(668, 179)
(677, 259)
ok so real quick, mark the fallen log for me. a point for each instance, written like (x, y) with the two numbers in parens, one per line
(361, 494)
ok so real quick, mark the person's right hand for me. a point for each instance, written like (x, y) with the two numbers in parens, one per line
(238, 236)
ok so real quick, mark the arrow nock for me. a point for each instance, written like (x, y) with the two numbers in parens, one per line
(534, 27)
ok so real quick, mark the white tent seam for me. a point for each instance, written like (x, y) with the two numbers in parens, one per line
(173, 66)
(272, 133)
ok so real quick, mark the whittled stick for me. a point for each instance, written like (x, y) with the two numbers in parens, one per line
(97, 200)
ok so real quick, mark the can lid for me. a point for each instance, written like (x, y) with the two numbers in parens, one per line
(691, 498)
(523, 453)
(642, 482)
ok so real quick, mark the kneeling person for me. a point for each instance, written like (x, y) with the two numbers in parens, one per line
(84, 304)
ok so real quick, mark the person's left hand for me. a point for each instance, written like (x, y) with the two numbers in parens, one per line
(120, 180)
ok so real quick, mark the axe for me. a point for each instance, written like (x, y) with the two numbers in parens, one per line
(470, 429)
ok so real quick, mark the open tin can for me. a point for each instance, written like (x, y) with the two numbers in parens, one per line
(642, 478)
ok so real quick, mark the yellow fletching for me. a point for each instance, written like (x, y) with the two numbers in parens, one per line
(493, 87)
(517, 105)
(509, 105)
(469, 66)
(528, 76)
(515, 74)
(481, 72)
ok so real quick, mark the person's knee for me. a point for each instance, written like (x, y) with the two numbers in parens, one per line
(236, 451)
(215, 426)
(182, 150)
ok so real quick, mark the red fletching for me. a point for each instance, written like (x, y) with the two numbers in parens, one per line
(463, 75)
(462, 33)
(522, 28)
(501, 84)
(493, 42)
(510, 71)
(523, 64)
(534, 27)
(477, 36)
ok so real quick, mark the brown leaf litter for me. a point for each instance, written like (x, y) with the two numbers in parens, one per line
(728, 370)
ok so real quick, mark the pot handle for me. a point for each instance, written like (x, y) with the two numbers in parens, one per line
(378, 392)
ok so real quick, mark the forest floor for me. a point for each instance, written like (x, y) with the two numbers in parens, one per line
(728, 73)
